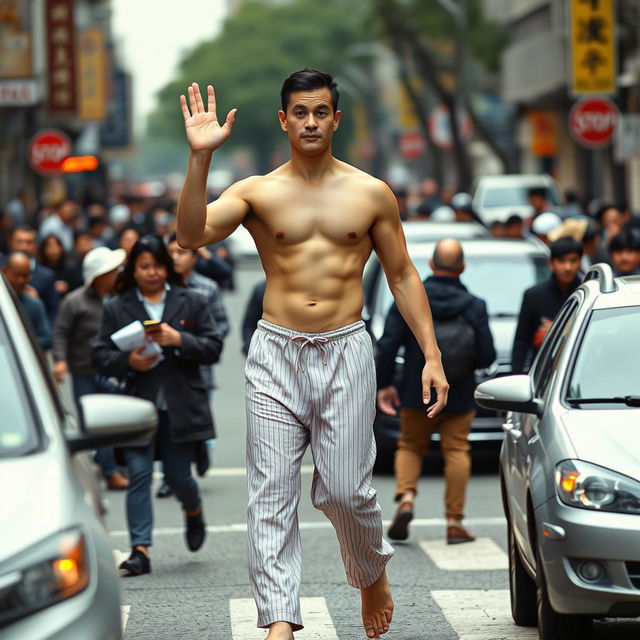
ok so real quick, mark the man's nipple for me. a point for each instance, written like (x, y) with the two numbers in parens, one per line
(279, 234)
(352, 234)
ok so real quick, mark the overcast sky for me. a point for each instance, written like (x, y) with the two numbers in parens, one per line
(151, 35)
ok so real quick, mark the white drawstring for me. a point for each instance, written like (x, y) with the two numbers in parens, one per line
(304, 341)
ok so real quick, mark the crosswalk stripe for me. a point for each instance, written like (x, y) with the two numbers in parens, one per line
(319, 524)
(481, 615)
(124, 616)
(315, 615)
(119, 556)
(482, 555)
(232, 472)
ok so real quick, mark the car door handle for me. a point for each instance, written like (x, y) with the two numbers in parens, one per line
(510, 428)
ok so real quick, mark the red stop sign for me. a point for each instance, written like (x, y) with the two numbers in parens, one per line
(412, 145)
(48, 150)
(592, 122)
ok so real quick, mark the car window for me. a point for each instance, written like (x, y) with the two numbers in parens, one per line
(18, 434)
(554, 347)
(481, 277)
(610, 337)
(513, 196)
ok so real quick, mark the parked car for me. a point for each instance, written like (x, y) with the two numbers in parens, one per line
(58, 578)
(498, 197)
(425, 230)
(497, 270)
(570, 464)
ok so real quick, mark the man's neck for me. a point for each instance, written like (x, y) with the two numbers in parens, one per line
(311, 168)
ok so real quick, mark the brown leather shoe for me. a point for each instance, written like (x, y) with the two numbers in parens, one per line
(117, 482)
(399, 528)
(458, 534)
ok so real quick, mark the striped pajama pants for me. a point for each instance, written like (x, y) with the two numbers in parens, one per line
(317, 389)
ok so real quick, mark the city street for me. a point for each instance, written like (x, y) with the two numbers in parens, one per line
(440, 592)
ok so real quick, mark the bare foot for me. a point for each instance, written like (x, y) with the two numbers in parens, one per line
(377, 607)
(280, 631)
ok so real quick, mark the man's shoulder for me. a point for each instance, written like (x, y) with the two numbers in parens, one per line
(32, 305)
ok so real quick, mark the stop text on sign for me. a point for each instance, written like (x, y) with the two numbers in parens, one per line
(592, 122)
(48, 150)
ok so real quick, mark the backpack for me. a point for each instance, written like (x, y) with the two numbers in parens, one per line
(457, 343)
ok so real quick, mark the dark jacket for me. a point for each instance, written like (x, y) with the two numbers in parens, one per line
(252, 314)
(543, 300)
(43, 280)
(448, 298)
(179, 373)
(35, 311)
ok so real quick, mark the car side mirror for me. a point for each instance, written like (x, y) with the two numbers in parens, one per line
(108, 420)
(509, 393)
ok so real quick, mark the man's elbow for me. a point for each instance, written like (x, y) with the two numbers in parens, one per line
(188, 242)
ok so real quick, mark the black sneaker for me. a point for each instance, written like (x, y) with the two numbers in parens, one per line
(137, 563)
(399, 529)
(196, 531)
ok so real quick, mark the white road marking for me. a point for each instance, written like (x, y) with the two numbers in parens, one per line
(120, 556)
(325, 524)
(315, 616)
(481, 615)
(124, 616)
(232, 472)
(481, 555)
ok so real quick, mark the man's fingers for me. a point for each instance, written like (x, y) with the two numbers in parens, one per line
(199, 102)
(231, 118)
(211, 99)
(192, 101)
(185, 109)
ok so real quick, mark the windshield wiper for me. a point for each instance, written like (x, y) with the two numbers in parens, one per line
(630, 401)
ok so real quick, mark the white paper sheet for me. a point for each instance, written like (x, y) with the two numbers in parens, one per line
(132, 336)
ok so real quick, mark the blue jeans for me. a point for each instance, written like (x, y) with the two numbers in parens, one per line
(176, 458)
(82, 386)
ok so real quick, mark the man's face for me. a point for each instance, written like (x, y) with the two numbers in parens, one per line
(184, 260)
(565, 268)
(67, 211)
(18, 273)
(626, 260)
(83, 244)
(310, 120)
(24, 241)
(537, 201)
(513, 230)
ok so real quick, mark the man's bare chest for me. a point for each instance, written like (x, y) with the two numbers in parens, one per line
(292, 218)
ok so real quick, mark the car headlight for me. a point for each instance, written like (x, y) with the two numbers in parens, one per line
(589, 486)
(51, 571)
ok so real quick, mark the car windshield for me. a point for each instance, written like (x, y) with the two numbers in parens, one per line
(515, 196)
(18, 433)
(481, 276)
(610, 337)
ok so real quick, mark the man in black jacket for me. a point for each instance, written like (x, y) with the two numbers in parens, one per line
(451, 303)
(542, 302)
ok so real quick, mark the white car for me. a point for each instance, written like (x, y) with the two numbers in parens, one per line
(498, 197)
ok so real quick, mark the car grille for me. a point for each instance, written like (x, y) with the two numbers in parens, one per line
(633, 569)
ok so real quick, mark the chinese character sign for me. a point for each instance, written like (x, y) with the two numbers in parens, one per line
(61, 59)
(92, 80)
(593, 52)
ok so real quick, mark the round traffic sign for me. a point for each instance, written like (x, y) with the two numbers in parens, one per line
(48, 150)
(412, 145)
(440, 126)
(592, 122)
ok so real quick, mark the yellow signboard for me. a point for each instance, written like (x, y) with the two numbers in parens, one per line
(593, 46)
(92, 75)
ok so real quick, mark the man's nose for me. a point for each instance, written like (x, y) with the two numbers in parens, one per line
(311, 123)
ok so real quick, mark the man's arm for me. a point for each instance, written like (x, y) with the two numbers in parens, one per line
(200, 224)
(409, 293)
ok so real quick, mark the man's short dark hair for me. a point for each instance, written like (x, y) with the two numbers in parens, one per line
(24, 228)
(563, 247)
(513, 219)
(537, 191)
(592, 230)
(627, 239)
(309, 80)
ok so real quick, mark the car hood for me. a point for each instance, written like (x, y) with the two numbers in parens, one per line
(32, 505)
(609, 438)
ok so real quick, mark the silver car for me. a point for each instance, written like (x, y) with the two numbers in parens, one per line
(570, 463)
(57, 574)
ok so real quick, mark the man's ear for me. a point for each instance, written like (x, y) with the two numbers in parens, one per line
(282, 116)
(336, 119)
(462, 268)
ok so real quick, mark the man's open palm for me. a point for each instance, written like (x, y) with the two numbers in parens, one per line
(204, 132)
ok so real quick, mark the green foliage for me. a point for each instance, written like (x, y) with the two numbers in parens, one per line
(247, 62)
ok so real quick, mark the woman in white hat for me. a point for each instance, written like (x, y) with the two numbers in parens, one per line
(78, 322)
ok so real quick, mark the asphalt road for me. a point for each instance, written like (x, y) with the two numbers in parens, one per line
(441, 593)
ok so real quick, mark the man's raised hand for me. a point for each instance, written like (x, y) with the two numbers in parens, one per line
(204, 132)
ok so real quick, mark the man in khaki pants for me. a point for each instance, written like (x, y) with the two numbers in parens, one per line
(462, 328)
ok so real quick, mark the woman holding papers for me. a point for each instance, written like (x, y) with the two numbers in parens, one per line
(180, 336)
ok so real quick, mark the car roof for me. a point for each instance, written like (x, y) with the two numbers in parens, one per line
(498, 247)
(626, 294)
(515, 178)
(425, 230)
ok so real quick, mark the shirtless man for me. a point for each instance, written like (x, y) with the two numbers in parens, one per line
(310, 373)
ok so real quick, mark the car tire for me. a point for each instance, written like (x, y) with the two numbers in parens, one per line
(551, 624)
(522, 588)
